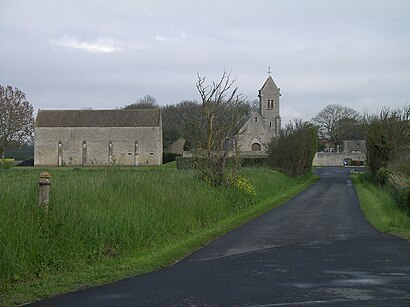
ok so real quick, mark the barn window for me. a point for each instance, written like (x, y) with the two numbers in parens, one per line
(110, 151)
(256, 147)
(60, 154)
(84, 148)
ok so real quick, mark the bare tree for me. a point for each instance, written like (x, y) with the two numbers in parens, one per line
(146, 102)
(222, 110)
(16, 118)
(177, 120)
(335, 121)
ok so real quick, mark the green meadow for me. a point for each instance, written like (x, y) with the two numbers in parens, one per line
(104, 224)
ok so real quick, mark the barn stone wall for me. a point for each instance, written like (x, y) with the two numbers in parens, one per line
(90, 146)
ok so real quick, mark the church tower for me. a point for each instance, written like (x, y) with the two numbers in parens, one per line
(269, 104)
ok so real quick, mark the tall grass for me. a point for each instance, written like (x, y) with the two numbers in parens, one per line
(95, 214)
(381, 207)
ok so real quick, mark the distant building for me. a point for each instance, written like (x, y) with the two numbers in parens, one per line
(327, 145)
(98, 137)
(354, 146)
(264, 124)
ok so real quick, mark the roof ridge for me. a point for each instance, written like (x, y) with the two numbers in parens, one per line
(99, 118)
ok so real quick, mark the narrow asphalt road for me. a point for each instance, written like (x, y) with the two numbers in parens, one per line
(316, 249)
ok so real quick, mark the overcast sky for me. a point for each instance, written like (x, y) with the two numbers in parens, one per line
(106, 54)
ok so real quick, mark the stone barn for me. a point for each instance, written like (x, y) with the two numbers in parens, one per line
(98, 137)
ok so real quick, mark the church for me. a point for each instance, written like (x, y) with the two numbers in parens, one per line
(261, 125)
(98, 137)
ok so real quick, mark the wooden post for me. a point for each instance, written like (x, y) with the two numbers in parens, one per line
(44, 190)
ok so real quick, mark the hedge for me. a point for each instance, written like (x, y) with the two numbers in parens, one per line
(189, 163)
(169, 157)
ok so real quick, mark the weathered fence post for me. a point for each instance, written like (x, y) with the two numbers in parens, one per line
(44, 190)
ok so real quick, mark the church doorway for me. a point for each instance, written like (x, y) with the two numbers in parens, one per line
(256, 147)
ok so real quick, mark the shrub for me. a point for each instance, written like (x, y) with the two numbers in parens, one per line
(169, 157)
(189, 163)
(185, 162)
(254, 161)
(402, 197)
(387, 139)
(293, 151)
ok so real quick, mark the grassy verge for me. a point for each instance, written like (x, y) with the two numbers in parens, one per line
(380, 209)
(106, 224)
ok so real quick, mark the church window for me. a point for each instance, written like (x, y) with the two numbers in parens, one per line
(270, 124)
(256, 119)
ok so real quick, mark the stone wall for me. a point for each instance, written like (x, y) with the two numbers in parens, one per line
(97, 146)
(335, 159)
(257, 131)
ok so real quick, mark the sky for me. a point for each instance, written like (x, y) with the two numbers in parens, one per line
(77, 54)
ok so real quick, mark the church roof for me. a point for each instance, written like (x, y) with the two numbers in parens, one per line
(99, 118)
(268, 80)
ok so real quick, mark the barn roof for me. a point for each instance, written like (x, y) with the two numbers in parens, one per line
(99, 118)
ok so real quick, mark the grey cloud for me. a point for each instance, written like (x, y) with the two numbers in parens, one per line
(102, 54)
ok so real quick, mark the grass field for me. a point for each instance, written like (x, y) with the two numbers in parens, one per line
(107, 223)
(380, 209)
